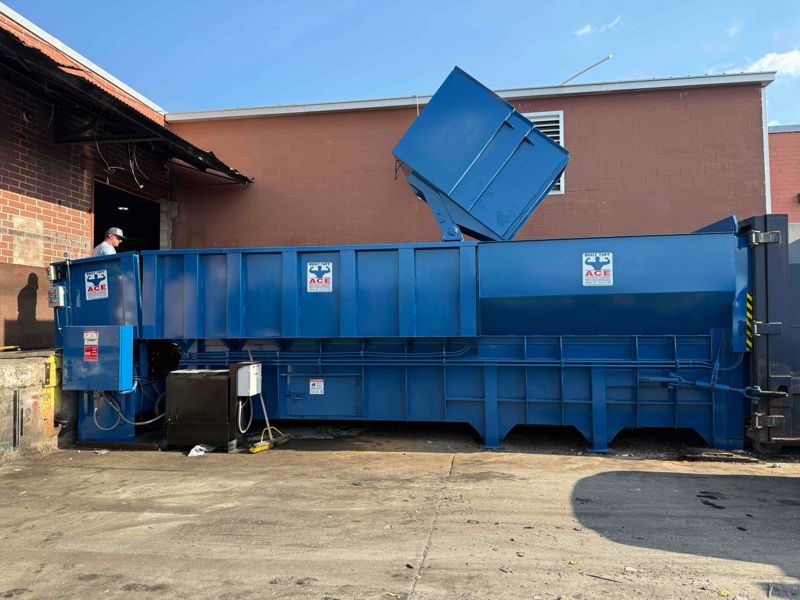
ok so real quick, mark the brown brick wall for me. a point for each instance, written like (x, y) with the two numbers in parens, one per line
(45, 192)
(656, 161)
(784, 161)
(46, 203)
(25, 319)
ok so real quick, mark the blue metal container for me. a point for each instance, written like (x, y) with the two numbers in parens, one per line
(596, 333)
(599, 334)
(644, 285)
(98, 357)
(102, 290)
(481, 165)
(409, 290)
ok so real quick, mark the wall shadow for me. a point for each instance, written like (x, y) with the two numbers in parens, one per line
(31, 329)
(738, 517)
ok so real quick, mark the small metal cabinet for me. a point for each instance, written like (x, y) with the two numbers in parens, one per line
(203, 405)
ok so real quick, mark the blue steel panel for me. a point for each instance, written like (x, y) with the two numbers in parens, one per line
(378, 295)
(425, 394)
(406, 302)
(319, 311)
(192, 307)
(104, 365)
(106, 417)
(172, 298)
(492, 151)
(262, 294)
(235, 305)
(599, 385)
(440, 130)
(348, 293)
(151, 313)
(437, 292)
(290, 292)
(116, 299)
(341, 397)
(681, 284)
(377, 291)
(212, 308)
(384, 393)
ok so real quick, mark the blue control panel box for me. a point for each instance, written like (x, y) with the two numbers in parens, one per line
(98, 358)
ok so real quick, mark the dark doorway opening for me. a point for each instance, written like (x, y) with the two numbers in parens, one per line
(138, 218)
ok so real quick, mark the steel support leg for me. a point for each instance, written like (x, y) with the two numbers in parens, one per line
(599, 415)
(491, 425)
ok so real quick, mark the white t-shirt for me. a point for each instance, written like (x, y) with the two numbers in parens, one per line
(103, 249)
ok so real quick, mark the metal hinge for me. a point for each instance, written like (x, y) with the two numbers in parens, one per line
(762, 328)
(760, 421)
(763, 237)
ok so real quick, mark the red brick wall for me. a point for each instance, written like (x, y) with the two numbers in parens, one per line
(784, 161)
(46, 203)
(45, 192)
(656, 161)
(46, 195)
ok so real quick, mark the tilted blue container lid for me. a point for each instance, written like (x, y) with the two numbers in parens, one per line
(490, 164)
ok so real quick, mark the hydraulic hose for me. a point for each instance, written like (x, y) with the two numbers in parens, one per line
(120, 416)
(240, 410)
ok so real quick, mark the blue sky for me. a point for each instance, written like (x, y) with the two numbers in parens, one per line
(187, 55)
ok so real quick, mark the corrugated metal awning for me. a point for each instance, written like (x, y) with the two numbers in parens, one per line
(89, 114)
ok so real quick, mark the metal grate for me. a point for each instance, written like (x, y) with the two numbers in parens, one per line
(552, 125)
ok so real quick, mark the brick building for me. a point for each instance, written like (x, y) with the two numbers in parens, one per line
(784, 157)
(81, 151)
(661, 155)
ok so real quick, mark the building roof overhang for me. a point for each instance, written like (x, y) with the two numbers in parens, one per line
(84, 113)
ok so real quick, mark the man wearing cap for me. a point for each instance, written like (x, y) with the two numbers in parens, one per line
(108, 246)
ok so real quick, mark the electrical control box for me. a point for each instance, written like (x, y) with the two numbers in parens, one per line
(98, 358)
(56, 296)
(248, 380)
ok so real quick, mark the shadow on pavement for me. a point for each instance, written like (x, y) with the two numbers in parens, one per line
(737, 517)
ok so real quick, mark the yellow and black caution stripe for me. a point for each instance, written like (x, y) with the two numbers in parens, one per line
(749, 322)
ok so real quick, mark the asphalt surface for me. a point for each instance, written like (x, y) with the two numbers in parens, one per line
(413, 513)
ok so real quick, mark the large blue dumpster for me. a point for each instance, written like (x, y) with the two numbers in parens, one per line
(600, 334)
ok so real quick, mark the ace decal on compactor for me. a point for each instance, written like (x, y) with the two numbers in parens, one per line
(319, 277)
(597, 268)
(96, 284)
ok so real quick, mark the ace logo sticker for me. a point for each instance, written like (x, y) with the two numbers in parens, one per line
(597, 268)
(97, 285)
(319, 277)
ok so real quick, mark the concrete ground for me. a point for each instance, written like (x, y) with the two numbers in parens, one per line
(387, 514)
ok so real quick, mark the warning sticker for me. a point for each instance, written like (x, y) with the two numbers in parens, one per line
(316, 386)
(597, 268)
(319, 277)
(91, 342)
(97, 285)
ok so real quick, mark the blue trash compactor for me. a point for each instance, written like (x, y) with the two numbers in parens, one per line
(697, 330)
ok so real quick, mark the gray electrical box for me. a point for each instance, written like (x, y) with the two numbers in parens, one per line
(56, 296)
(248, 380)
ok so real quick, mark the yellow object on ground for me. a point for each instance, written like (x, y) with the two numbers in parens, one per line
(272, 440)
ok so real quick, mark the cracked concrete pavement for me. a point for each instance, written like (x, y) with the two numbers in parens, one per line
(410, 514)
